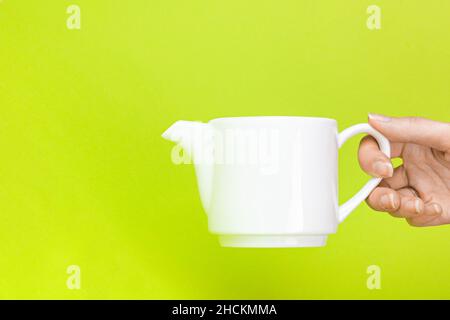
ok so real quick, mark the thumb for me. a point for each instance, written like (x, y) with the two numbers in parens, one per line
(421, 131)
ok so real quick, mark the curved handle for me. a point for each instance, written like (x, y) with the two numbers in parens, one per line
(346, 208)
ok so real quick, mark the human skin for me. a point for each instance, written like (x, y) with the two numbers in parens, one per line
(419, 189)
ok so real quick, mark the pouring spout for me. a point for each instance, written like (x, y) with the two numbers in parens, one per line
(185, 133)
(178, 130)
(196, 138)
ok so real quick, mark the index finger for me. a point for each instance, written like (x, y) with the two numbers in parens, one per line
(413, 130)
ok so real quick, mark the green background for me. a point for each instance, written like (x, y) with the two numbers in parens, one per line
(86, 179)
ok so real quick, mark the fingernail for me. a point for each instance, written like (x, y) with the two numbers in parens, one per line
(437, 208)
(379, 117)
(388, 201)
(383, 169)
(417, 206)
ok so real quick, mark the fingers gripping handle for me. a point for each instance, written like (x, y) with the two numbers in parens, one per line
(346, 208)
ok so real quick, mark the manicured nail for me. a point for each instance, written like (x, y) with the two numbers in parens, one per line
(379, 117)
(417, 206)
(383, 169)
(388, 201)
(437, 208)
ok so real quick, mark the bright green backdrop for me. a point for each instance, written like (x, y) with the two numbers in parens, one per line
(86, 179)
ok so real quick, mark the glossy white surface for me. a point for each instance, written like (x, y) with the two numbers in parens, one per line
(270, 181)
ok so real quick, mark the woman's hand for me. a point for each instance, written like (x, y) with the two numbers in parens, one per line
(419, 189)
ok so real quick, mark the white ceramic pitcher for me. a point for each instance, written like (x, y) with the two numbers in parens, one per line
(270, 181)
